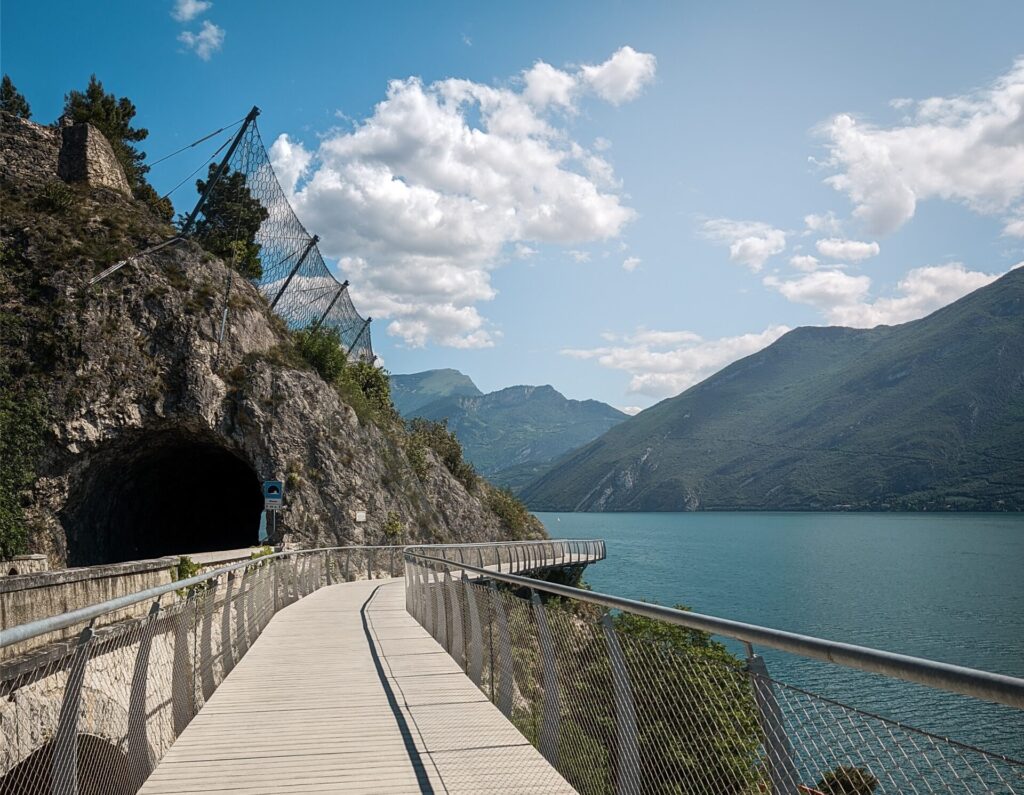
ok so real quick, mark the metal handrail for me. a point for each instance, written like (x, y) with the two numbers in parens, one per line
(529, 542)
(999, 688)
(43, 626)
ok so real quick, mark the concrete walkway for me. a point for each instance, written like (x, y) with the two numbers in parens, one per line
(345, 692)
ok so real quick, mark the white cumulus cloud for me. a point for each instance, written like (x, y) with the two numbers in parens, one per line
(919, 293)
(187, 10)
(804, 262)
(664, 363)
(825, 223)
(750, 243)
(434, 190)
(622, 77)
(847, 250)
(844, 301)
(968, 149)
(630, 264)
(546, 85)
(824, 290)
(206, 42)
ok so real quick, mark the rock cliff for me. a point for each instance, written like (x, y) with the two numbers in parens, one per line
(153, 433)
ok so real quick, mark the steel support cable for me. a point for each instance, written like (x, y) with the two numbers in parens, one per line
(197, 142)
(200, 168)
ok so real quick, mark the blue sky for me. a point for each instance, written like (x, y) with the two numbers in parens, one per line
(611, 198)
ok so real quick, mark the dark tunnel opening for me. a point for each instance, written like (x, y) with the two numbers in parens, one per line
(162, 495)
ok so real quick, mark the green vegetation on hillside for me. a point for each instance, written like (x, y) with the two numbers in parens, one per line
(928, 415)
(436, 436)
(363, 385)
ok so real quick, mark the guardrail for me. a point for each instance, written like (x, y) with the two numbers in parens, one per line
(624, 696)
(96, 712)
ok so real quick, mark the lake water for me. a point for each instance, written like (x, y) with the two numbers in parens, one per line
(948, 587)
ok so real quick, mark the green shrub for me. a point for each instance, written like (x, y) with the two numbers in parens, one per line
(55, 197)
(416, 452)
(714, 738)
(375, 386)
(261, 552)
(437, 437)
(847, 780)
(393, 527)
(513, 514)
(185, 569)
(321, 349)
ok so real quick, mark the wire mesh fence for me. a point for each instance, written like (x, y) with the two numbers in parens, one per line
(623, 703)
(94, 714)
(245, 202)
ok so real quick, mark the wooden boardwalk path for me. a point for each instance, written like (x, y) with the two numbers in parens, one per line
(345, 692)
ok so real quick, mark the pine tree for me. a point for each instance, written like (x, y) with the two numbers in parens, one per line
(112, 117)
(12, 101)
(230, 220)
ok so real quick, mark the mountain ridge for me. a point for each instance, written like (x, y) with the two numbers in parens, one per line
(512, 434)
(924, 415)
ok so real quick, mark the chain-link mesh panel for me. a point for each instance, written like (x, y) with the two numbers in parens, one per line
(286, 265)
(625, 704)
(95, 713)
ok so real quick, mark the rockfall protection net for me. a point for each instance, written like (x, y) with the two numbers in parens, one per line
(622, 704)
(94, 709)
(291, 273)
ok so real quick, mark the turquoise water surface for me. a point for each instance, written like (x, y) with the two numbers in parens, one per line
(948, 587)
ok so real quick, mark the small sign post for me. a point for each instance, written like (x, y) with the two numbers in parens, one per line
(273, 501)
(273, 495)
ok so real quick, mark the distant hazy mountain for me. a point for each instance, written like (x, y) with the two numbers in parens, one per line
(510, 435)
(409, 392)
(925, 415)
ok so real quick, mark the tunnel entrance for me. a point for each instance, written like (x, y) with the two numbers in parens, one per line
(164, 494)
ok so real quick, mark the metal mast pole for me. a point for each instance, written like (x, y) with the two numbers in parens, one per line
(359, 336)
(330, 306)
(190, 221)
(294, 270)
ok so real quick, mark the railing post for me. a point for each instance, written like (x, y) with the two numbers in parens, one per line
(227, 652)
(64, 765)
(504, 654)
(457, 646)
(183, 687)
(476, 643)
(136, 742)
(550, 712)
(441, 620)
(781, 771)
(480, 556)
(627, 780)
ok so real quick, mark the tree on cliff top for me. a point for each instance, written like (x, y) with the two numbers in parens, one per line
(230, 220)
(12, 101)
(113, 117)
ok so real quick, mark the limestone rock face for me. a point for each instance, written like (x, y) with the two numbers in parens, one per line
(150, 413)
